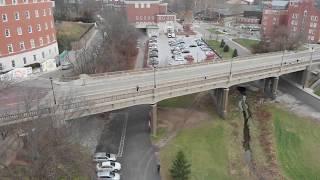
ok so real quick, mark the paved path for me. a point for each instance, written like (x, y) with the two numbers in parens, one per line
(140, 58)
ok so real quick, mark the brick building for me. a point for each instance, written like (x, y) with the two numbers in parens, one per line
(27, 33)
(151, 15)
(301, 17)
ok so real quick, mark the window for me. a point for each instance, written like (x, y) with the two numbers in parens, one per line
(4, 18)
(1, 66)
(38, 27)
(43, 55)
(51, 24)
(48, 39)
(19, 31)
(136, 5)
(17, 16)
(148, 5)
(36, 12)
(305, 13)
(141, 18)
(35, 57)
(14, 2)
(7, 32)
(142, 5)
(27, 13)
(33, 45)
(22, 46)
(137, 18)
(30, 29)
(2, 2)
(44, 12)
(24, 60)
(25, 1)
(49, 10)
(10, 48)
(34, 1)
(41, 41)
(45, 26)
(13, 63)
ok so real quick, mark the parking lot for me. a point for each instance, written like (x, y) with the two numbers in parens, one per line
(165, 57)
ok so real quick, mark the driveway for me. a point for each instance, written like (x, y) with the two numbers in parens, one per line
(127, 135)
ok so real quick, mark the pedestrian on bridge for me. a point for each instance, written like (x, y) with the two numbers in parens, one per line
(137, 88)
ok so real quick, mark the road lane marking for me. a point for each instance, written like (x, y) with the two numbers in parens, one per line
(123, 136)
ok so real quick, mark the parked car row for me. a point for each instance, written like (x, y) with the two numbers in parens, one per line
(204, 47)
(107, 167)
(180, 51)
(153, 50)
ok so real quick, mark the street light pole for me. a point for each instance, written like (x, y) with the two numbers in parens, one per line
(54, 97)
(230, 74)
(311, 51)
(154, 76)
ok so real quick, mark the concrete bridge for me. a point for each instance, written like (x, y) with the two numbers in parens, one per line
(108, 92)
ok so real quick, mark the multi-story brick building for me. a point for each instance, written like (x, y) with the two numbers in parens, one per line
(303, 20)
(27, 33)
(149, 15)
(301, 17)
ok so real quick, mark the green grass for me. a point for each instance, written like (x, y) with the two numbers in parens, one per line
(178, 102)
(248, 43)
(68, 32)
(298, 145)
(161, 132)
(216, 46)
(215, 31)
(205, 148)
(317, 92)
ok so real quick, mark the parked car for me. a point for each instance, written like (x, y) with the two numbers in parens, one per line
(206, 49)
(189, 57)
(153, 61)
(108, 175)
(210, 55)
(200, 43)
(185, 51)
(103, 156)
(203, 46)
(66, 66)
(108, 166)
(178, 58)
(175, 49)
(153, 54)
(154, 49)
(193, 45)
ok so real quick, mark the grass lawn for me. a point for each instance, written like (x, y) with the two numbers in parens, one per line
(211, 147)
(216, 46)
(205, 148)
(298, 145)
(68, 32)
(215, 31)
(178, 102)
(317, 92)
(248, 43)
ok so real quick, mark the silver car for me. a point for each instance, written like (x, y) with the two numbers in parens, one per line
(103, 156)
(107, 175)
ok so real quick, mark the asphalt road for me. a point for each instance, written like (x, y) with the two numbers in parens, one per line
(127, 135)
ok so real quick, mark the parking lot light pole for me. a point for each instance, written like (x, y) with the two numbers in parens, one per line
(54, 97)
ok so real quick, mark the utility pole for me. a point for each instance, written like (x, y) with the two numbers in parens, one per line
(54, 97)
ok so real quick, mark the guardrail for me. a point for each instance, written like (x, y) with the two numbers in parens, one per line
(102, 102)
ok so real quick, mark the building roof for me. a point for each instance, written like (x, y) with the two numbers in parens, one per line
(279, 4)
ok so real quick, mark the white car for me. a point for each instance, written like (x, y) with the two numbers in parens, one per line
(103, 156)
(178, 58)
(108, 166)
(108, 175)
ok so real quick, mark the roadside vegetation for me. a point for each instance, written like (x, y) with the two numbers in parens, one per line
(248, 43)
(216, 45)
(68, 32)
(318, 92)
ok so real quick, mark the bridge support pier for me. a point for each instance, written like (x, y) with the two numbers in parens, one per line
(305, 77)
(154, 119)
(274, 87)
(221, 101)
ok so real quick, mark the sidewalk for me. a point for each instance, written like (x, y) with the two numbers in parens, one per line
(140, 58)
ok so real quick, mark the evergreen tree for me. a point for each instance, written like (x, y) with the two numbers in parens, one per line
(180, 169)
(235, 53)
(226, 48)
(222, 43)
